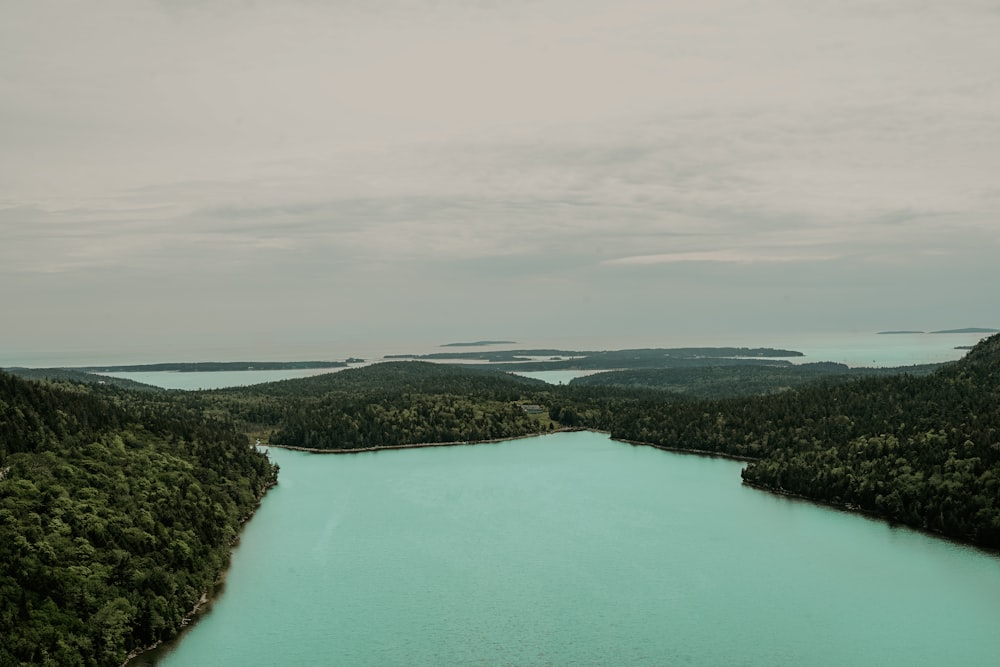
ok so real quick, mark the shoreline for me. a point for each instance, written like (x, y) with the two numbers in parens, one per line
(851, 508)
(680, 450)
(208, 596)
(492, 441)
(427, 445)
(842, 507)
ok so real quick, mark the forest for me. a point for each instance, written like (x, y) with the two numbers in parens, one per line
(116, 516)
(119, 505)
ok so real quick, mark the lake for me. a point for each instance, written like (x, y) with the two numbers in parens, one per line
(573, 549)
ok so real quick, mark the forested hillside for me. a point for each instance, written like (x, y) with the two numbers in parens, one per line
(739, 380)
(921, 450)
(115, 516)
(405, 402)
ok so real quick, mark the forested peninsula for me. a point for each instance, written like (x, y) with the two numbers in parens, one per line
(118, 506)
(117, 514)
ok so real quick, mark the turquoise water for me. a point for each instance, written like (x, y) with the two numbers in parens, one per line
(572, 549)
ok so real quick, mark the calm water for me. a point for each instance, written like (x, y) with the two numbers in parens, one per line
(848, 348)
(572, 549)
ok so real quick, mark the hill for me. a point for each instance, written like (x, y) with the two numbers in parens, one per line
(387, 404)
(920, 450)
(81, 377)
(116, 515)
(739, 380)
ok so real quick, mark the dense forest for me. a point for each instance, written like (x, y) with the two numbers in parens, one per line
(118, 505)
(923, 450)
(116, 515)
(79, 377)
(739, 380)
(395, 403)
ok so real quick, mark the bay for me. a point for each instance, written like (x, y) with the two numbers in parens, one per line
(575, 549)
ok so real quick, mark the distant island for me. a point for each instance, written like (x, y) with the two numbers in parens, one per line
(967, 330)
(552, 359)
(215, 366)
(479, 343)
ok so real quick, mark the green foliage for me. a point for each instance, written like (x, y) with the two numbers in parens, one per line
(739, 380)
(113, 520)
(921, 450)
(79, 377)
(386, 404)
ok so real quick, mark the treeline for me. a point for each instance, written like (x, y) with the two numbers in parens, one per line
(739, 380)
(115, 516)
(920, 450)
(79, 377)
(348, 421)
(215, 366)
(386, 404)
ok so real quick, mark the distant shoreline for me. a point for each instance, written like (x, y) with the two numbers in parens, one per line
(968, 330)
(217, 366)
(493, 441)
(480, 343)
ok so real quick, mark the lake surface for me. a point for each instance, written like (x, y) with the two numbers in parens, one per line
(572, 549)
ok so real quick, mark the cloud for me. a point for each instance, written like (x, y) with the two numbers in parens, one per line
(442, 149)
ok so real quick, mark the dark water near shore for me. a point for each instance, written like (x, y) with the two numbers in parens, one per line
(574, 549)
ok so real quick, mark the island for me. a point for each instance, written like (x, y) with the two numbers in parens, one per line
(481, 343)
(217, 366)
(553, 359)
(968, 330)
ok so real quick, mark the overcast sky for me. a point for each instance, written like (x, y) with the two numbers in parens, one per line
(278, 174)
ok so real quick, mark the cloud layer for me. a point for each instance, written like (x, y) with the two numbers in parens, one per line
(450, 166)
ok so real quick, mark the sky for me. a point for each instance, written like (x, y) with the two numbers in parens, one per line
(236, 175)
